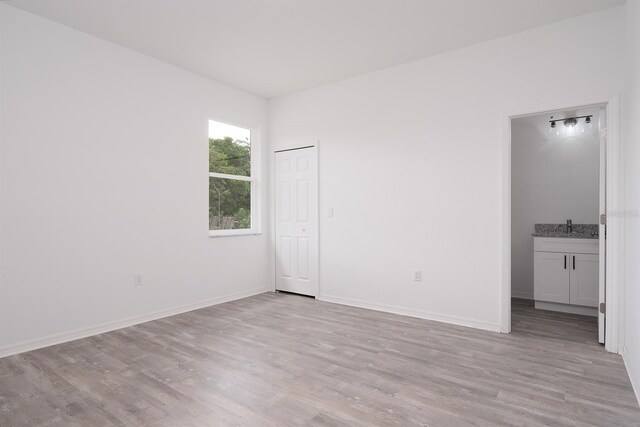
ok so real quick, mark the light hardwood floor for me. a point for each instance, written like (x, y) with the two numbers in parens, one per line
(278, 359)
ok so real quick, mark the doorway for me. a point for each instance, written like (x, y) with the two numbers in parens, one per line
(535, 222)
(296, 220)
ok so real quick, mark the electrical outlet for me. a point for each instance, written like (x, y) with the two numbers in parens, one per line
(137, 279)
(417, 275)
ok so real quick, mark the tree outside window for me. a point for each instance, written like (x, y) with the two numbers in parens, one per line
(230, 179)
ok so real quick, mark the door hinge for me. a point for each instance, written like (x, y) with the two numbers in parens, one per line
(604, 132)
(603, 219)
(603, 308)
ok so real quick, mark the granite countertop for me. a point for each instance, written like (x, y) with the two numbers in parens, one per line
(579, 231)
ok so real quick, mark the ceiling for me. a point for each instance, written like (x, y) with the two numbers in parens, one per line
(272, 48)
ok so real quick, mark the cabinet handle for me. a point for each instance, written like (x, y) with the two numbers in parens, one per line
(574, 262)
(565, 262)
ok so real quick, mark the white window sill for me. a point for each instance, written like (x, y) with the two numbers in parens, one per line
(228, 233)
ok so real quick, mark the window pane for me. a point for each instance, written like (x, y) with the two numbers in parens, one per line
(229, 204)
(229, 149)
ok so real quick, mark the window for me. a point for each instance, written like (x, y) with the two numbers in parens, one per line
(231, 181)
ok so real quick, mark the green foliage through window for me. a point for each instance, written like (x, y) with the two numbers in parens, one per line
(229, 198)
(229, 156)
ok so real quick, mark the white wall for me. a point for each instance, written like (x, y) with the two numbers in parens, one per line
(632, 340)
(552, 179)
(410, 159)
(105, 173)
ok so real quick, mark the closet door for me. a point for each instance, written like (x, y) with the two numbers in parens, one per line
(296, 216)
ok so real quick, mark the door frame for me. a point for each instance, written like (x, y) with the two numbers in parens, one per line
(272, 211)
(615, 201)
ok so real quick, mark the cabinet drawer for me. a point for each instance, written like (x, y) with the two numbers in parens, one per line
(559, 244)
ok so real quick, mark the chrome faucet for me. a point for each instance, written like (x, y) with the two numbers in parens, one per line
(569, 226)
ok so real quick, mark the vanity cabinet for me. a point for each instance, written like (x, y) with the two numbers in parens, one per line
(566, 271)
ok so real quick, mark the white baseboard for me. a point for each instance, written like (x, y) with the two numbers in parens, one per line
(521, 295)
(437, 317)
(632, 371)
(63, 337)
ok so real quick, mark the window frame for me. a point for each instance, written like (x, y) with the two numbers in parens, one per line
(253, 178)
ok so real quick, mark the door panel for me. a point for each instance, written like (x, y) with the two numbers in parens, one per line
(296, 219)
(302, 164)
(584, 280)
(284, 165)
(285, 259)
(551, 277)
(302, 205)
(602, 128)
(285, 201)
(303, 258)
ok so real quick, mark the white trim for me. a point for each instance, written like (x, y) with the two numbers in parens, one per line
(615, 203)
(318, 273)
(271, 253)
(505, 223)
(615, 242)
(602, 209)
(63, 337)
(421, 314)
(238, 232)
(632, 371)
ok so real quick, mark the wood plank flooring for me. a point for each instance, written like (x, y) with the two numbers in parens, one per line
(278, 359)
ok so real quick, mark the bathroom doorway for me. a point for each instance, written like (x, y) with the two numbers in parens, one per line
(557, 223)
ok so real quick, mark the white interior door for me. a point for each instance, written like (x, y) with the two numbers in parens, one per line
(296, 216)
(602, 128)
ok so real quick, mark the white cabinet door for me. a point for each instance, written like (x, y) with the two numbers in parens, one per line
(584, 279)
(296, 212)
(551, 277)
